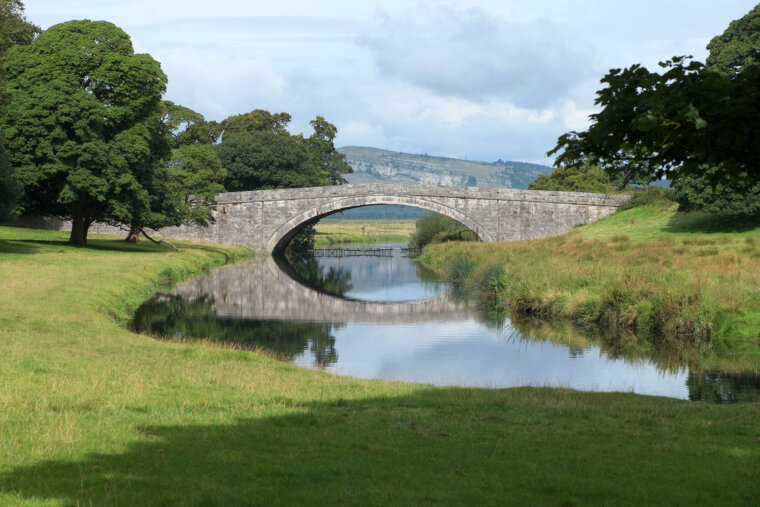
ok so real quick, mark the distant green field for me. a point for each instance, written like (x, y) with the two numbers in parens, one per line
(337, 232)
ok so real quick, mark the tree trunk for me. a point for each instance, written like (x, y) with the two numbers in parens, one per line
(134, 235)
(79, 225)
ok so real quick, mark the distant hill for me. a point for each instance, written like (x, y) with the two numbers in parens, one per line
(373, 165)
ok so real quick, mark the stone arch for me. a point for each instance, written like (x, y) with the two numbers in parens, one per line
(282, 236)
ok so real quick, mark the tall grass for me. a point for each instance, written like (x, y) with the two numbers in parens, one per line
(641, 271)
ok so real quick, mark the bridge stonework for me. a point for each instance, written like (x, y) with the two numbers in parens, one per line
(265, 220)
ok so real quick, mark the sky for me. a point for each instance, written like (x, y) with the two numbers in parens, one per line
(474, 79)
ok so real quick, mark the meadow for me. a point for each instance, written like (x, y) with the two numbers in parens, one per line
(358, 231)
(91, 413)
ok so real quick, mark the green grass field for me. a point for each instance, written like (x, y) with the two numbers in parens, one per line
(342, 232)
(93, 414)
(687, 284)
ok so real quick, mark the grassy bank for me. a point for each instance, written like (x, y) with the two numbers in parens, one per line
(91, 413)
(341, 232)
(687, 284)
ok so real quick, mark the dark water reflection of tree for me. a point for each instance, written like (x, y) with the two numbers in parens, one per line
(724, 387)
(335, 280)
(175, 318)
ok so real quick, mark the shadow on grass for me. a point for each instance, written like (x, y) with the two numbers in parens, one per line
(17, 247)
(454, 446)
(697, 222)
(112, 245)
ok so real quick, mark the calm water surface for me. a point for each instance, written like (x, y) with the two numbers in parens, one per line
(387, 317)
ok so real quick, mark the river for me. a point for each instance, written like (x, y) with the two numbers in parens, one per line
(373, 312)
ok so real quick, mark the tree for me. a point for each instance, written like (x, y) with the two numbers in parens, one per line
(324, 156)
(184, 185)
(14, 30)
(258, 152)
(674, 125)
(730, 54)
(83, 123)
(736, 48)
(580, 178)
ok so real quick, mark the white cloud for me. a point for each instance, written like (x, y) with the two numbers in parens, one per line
(478, 56)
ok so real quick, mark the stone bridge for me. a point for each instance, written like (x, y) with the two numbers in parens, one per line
(266, 220)
(264, 289)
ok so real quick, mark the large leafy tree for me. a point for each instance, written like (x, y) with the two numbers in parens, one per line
(83, 128)
(736, 48)
(731, 53)
(324, 156)
(15, 29)
(189, 176)
(676, 124)
(691, 122)
(258, 152)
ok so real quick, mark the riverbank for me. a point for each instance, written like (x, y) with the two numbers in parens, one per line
(342, 232)
(91, 413)
(688, 285)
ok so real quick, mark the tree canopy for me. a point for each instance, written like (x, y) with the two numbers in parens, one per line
(15, 29)
(258, 152)
(186, 179)
(84, 125)
(580, 178)
(738, 47)
(676, 124)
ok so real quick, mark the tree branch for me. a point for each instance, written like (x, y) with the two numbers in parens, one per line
(159, 241)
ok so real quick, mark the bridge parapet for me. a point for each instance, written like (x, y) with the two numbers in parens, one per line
(265, 220)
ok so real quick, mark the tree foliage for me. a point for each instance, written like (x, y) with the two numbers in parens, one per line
(259, 153)
(15, 29)
(438, 228)
(323, 155)
(186, 180)
(673, 125)
(738, 47)
(730, 54)
(579, 178)
(83, 128)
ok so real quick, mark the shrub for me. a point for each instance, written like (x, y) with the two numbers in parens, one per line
(439, 229)
(649, 196)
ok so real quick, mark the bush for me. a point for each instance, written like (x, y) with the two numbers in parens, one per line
(583, 178)
(649, 196)
(439, 229)
(303, 241)
(695, 194)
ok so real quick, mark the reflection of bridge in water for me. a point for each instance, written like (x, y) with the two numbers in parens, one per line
(262, 290)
